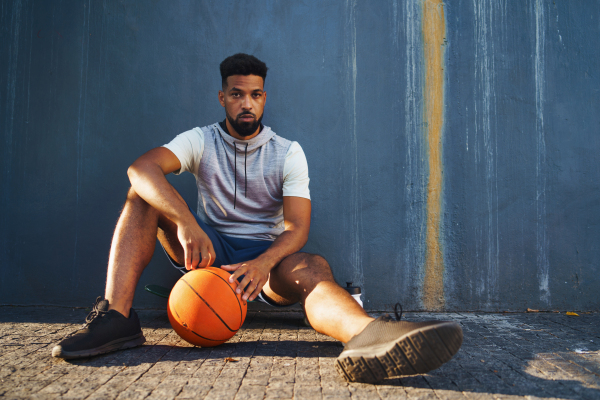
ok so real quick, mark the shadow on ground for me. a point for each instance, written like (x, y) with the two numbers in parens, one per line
(516, 354)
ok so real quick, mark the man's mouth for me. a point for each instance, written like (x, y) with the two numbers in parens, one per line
(246, 117)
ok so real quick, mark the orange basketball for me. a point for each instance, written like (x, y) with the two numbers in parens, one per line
(204, 308)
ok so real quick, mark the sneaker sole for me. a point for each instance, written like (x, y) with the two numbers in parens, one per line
(119, 344)
(417, 352)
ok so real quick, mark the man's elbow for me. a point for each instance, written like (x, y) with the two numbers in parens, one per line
(304, 237)
(134, 172)
(298, 235)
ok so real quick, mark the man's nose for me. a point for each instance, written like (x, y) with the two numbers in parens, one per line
(246, 103)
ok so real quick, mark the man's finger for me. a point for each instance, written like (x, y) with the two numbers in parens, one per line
(195, 259)
(237, 270)
(241, 270)
(245, 282)
(230, 267)
(256, 291)
(188, 259)
(212, 254)
(205, 258)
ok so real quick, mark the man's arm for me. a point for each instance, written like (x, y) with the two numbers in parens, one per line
(147, 177)
(296, 216)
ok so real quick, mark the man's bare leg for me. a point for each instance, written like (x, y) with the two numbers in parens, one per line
(307, 278)
(382, 348)
(132, 248)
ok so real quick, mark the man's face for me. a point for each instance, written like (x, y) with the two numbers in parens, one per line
(244, 101)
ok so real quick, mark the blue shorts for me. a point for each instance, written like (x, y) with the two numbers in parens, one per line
(230, 250)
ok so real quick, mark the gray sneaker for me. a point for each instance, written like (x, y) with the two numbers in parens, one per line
(387, 348)
(104, 331)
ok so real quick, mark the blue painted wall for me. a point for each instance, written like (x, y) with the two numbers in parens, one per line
(87, 87)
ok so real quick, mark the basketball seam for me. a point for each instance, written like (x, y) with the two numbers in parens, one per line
(195, 333)
(236, 297)
(212, 340)
(208, 305)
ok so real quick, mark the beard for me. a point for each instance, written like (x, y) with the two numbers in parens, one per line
(244, 128)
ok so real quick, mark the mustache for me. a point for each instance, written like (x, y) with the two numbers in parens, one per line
(246, 113)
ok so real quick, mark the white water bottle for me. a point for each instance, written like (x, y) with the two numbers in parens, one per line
(354, 292)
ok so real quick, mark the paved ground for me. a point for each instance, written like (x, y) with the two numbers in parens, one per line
(276, 356)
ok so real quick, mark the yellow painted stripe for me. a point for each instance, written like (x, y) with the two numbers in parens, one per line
(434, 33)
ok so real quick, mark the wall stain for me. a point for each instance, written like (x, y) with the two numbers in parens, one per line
(9, 117)
(487, 242)
(412, 256)
(85, 52)
(540, 173)
(351, 71)
(434, 35)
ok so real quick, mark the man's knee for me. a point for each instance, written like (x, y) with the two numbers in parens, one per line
(313, 265)
(298, 275)
(318, 263)
(135, 204)
(133, 197)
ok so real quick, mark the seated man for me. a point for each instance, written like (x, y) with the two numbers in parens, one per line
(255, 209)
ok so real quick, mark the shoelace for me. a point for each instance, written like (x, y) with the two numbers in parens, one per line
(398, 317)
(94, 313)
(90, 317)
(387, 317)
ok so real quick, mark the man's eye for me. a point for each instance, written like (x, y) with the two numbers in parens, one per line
(257, 95)
(235, 95)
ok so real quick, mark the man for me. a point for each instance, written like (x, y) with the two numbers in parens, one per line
(255, 209)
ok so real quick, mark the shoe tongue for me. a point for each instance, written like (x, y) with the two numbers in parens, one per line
(103, 305)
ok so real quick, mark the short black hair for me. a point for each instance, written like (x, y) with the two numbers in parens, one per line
(242, 64)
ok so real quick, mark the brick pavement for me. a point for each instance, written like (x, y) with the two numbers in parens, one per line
(535, 355)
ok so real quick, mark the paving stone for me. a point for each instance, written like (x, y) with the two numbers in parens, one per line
(88, 385)
(363, 391)
(247, 391)
(304, 391)
(195, 389)
(284, 392)
(221, 394)
(504, 356)
(169, 388)
(392, 389)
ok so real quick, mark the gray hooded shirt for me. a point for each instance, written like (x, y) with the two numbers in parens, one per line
(240, 182)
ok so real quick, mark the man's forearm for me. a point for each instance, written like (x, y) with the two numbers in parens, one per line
(150, 183)
(289, 242)
(296, 216)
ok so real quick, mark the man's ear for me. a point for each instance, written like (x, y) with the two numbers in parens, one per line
(222, 98)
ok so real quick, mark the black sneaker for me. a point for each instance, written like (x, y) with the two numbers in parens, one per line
(104, 331)
(387, 348)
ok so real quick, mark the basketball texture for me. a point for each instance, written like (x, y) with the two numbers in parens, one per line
(204, 308)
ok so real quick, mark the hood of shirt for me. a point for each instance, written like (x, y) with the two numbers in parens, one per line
(256, 142)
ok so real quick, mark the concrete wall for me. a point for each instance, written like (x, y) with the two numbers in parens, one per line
(453, 147)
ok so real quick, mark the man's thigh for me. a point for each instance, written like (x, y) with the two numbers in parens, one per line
(295, 276)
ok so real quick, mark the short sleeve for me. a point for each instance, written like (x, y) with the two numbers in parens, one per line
(295, 173)
(188, 148)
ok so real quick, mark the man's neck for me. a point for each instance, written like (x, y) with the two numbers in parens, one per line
(226, 126)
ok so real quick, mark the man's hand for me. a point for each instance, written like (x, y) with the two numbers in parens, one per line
(147, 176)
(197, 246)
(256, 274)
(296, 215)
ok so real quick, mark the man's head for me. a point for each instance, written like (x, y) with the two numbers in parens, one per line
(243, 96)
